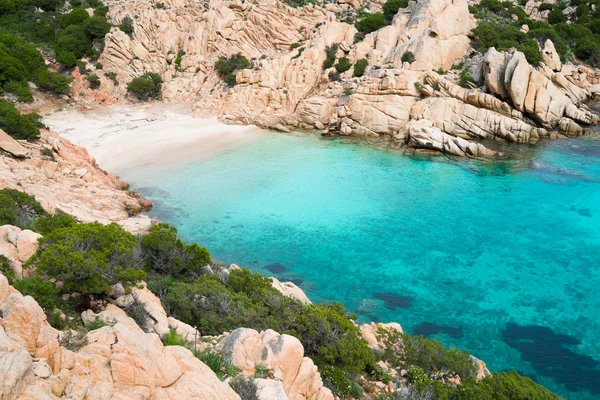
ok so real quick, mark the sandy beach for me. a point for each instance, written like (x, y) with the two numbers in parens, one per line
(128, 140)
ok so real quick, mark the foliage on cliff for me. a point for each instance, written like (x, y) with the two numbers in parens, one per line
(67, 36)
(575, 34)
(146, 86)
(227, 66)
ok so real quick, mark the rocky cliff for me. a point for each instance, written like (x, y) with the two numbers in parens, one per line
(287, 86)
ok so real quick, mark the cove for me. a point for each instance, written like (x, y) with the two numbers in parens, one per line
(501, 258)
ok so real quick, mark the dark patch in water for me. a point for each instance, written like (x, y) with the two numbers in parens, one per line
(297, 281)
(393, 301)
(276, 268)
(429, 328)
(550, 355)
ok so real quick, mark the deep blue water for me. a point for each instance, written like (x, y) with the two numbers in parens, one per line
(501, 258)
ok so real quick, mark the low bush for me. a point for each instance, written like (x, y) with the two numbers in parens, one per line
(408, 57)
(371, 23)
(51, 81)
(343, 65)
(127, 25)
(391, 7)
(18, 208)
(173, 338)
(226, 67)
(340, 383)
(465, 79)
(146, 86)
(503, 38)
(89, 258)
(75, 17)
(93, 80)
(216, 363)
(48, 223)
(166, 254)
(6, 269)
(360, 66)
(43, 291)
(330, 55)
(245, 388)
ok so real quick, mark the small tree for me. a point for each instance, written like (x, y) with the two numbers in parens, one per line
(127, 25)
(371, 23)
(226, 67)
(93, 80)
(89, 258)
(391, 7)
(408, 57)
(146, 86)
(360, 67)
(343, 65)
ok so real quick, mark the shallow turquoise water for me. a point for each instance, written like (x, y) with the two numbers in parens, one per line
(499, 258)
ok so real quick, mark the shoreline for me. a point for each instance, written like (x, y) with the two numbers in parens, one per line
(130, 139)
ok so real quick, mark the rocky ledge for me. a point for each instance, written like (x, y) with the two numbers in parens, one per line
(62, 176)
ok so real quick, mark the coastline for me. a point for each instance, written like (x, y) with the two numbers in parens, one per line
(133, 137)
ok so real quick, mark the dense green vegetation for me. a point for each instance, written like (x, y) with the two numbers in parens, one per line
(372, 22)
(17, 125)
(577, 35)
(146, 86)
(226, 67)
(89, 258)
(67, 36)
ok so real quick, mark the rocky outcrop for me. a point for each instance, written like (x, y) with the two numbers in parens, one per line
(281, 354)
(118, 361)
(421, 134)
(546, 97)
(290, 289)
(435, 31)
(70, 180)
(372, 333)
(11, 146)
(18, 245)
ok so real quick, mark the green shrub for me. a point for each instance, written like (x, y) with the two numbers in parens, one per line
(408, 57)
(47, 5)
(137, 312)
(216, 363)
(226, 67)
(112, 76)
(75, 17)
(127, 25)
(95, 324)
(173, 339)
(465, 79)
(546, 7)
(51, 81)
(6, 269)
(74, 40)
(16, 125)
(360, 66)
(245, 388)
(503, 38)
(330, 55)
(556, 16)
(96, 27)
(340, 383)
(146, 86)
(44, 292)
(66, 58)
(19, 89)
(249, 300)
(371, 23)
(294, 45)
(167, 254)
(343, 65)
(89, 258)
(391, 7)
(48, 223)
(93, 80)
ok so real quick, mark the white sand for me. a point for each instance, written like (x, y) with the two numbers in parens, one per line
(124, 139)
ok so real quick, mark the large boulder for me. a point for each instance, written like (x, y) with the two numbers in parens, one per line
(282, 354)
(11, 146)
(290, 289)
(18, 245)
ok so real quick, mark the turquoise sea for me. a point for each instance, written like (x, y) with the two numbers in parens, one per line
(501, 258)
